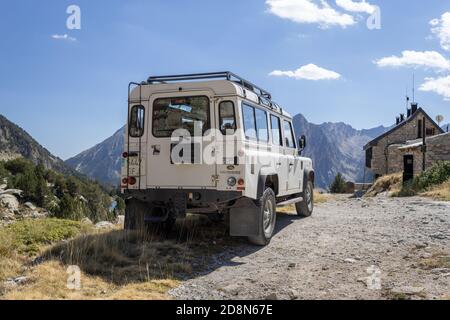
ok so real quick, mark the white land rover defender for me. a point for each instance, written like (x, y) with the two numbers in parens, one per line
(214, 144)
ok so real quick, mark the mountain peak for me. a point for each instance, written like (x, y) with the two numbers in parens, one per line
(16, 142)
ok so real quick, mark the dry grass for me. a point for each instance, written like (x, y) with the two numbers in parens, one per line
(114, 264)
(391, 183)
(437, 260)
(440, 192)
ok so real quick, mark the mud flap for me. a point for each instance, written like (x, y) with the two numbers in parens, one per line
(245, 219)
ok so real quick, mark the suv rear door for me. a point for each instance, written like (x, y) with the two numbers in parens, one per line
(194, 113)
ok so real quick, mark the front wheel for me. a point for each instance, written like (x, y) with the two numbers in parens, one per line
(306, 206)
(267, 218)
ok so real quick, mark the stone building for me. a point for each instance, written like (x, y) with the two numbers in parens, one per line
(400, 148)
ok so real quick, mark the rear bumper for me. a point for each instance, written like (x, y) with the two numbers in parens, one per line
(194, 200)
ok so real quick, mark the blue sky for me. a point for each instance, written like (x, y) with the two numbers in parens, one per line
(70, 93)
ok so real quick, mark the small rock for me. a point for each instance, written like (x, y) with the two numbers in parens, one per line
(408, 290)
(30, 205)
(293, 294)
(439, 236)
(2, 187)
(272, 296)
(232, 289)
(12, 192)
(292, 265)
(350, 260)
(9, 284)
(21, 280)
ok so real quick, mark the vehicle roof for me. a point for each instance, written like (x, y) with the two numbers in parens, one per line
(231, 85)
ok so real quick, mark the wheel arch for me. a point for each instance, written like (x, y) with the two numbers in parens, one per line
(268, 180)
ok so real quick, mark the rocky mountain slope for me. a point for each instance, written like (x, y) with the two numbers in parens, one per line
(16, 142)
(334, 147)
(102, 162)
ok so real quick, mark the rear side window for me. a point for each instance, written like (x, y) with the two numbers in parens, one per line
(276, 130)
(137, 120)
(227, 118)
(255, 123)
(261, 125)
(248, 113)
(289, 134)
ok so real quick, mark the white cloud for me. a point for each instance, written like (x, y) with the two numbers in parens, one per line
(353, 6)
(440, 86)
(308, 72)
(441, 28)
(426, 59)
(63, 37)
(308, 11)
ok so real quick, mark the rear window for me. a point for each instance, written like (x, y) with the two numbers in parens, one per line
(189, 113)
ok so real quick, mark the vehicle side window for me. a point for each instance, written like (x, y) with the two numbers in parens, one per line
(276, 130)
(289, 134)
(261, 125)
(136, 123)
(227, 118)
(248, 113)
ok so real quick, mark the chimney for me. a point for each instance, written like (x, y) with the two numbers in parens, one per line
(414, 106)
(408, 112)
(398, 120)
(402, 117)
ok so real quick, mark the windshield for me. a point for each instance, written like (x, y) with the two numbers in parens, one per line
(189, 113)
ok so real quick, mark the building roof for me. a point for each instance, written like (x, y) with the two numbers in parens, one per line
(401, 124)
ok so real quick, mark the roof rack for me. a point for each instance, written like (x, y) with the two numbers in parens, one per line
(213, 75)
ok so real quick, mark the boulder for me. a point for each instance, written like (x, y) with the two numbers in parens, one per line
(104, 225)
(120, 220)
(14, 192)
(30, 205)
(87, 221)
(9, 201)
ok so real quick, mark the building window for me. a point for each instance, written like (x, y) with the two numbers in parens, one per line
(369, 155)
(430, 131)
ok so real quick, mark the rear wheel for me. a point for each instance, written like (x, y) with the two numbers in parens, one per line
(268, 218)
(306, 206)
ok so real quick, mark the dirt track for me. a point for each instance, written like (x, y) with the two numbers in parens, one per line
(403, 242)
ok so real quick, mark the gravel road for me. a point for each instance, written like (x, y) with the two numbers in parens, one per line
(380, 248)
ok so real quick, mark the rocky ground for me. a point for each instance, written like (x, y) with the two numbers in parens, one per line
(375, 248)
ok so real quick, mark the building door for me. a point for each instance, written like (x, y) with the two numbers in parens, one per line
(408, 168)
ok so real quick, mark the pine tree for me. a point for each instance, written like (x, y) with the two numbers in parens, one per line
(338, 185)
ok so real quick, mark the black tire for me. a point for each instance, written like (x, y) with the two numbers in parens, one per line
(305, 208)
(267, 210)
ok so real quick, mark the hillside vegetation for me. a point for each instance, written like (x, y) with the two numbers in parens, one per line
(67, 197)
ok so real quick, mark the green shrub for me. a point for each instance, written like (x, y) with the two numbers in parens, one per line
(338, 185)
(436, 175)
(28, 236)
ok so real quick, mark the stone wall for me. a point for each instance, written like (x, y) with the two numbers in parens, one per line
(438, 149)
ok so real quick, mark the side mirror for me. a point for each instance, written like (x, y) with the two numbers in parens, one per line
(301, 143)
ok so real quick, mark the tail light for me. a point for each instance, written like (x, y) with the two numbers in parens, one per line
(131, 181)
(241, 182)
